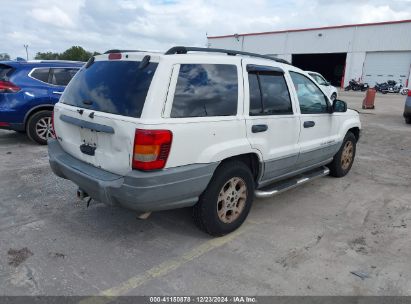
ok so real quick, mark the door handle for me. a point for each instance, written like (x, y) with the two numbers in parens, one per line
(57, 92)
(309, 124)
(259, 128)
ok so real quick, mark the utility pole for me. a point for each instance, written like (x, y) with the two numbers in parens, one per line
(26, 46)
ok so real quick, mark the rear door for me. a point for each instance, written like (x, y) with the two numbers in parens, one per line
(96, 117)
(318, 127)
(272, 124)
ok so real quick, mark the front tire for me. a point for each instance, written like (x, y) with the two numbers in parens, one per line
(333, 96)
(39, 127)
(225, 203)
(408, 120)
(344, 158)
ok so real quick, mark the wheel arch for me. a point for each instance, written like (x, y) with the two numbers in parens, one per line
(252, 160)
(36, 109)
(356, 131)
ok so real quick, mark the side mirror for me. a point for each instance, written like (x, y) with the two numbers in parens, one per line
(339, 106)
(326, 83)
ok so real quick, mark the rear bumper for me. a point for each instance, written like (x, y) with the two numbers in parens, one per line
(141, 191)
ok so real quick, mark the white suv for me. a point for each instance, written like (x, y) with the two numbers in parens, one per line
(328, 89)
(197, 128)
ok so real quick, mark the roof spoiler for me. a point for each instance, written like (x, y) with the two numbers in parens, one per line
(121, 51)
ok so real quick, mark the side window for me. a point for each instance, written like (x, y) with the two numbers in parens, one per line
(206, 90)
(269, 94)
(41, 74)
(62, 76)
(311, 98)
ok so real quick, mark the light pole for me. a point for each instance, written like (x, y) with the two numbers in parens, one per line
(26, 46)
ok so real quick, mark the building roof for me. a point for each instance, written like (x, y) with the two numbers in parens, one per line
(312, 29)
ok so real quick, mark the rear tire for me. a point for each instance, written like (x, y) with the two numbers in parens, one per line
(344, 158)
(225, 203)
(408, 120)
(39, 128)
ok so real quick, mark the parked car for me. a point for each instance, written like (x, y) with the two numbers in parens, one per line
(407, 108)
(28, 92)
(189, 128)
(330, 90)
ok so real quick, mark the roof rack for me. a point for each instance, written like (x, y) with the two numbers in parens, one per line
(121, 51)
(184, 50)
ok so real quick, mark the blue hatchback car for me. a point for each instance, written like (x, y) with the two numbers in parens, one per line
(28, 92)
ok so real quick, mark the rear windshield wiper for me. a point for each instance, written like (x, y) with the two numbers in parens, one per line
(145, 62)
(89, 62)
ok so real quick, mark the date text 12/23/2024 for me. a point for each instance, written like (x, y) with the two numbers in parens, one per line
(204, 299)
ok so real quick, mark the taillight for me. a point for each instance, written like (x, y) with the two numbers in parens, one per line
(151, 149)
(8, 87)
(409, 92)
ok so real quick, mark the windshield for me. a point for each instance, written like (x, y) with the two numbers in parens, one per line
(117, 87)
(318, 79)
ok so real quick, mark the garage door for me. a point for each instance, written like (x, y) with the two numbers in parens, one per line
(382, 66)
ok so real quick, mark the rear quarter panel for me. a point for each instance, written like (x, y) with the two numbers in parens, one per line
(195, 139)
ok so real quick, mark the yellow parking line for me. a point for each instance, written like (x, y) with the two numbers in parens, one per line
(163, 268)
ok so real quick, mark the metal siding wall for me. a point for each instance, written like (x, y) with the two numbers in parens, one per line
(386, 37)
(266, 44)
(355, 41)
(309, 42)
(229, 43)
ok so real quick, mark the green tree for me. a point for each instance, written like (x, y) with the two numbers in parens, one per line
(76, 53)
(47, 56)
(4, 56)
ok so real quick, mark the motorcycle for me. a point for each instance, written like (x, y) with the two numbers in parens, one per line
(391, 86)
(356, 86)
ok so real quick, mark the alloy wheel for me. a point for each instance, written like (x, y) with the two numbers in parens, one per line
(231, 200)
(347, 155)
(44, 128)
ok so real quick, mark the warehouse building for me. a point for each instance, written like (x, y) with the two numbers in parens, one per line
(373, 52)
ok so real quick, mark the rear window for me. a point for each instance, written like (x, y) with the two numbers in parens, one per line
(117, 87)
(41, 74)
(206, 90)
(62, 76)
(5, 71)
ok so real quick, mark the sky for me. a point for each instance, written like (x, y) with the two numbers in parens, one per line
(99, 25)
